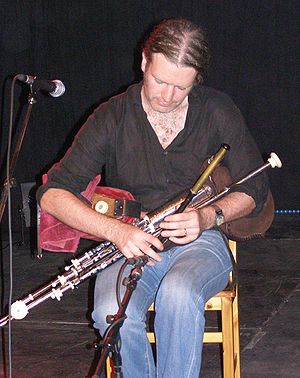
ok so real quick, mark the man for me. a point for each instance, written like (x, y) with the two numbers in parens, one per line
(152, 140)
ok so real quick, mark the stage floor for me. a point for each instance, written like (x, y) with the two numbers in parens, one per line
(52, 340)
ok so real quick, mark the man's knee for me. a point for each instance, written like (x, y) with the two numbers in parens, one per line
(101, 315)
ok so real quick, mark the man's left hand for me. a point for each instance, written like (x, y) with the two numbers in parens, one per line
(185, 227)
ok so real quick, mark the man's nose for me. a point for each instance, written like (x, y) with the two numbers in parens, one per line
(168, 93)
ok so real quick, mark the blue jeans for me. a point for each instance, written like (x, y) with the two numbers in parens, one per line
(179, 285)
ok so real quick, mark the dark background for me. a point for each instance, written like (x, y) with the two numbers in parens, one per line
(94, 48)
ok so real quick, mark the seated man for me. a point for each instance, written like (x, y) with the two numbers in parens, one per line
(152, 141)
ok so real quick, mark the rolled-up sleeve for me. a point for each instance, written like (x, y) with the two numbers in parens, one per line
(84, 159)
(244, 156)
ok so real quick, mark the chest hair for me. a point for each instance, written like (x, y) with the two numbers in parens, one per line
(167, 125)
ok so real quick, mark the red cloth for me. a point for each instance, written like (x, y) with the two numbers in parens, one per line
(56, 236)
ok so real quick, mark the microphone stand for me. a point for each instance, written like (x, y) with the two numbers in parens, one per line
(111, 343)
(10, 182)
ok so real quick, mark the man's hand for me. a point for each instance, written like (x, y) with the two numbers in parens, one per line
(130, 240)
(186, 227)
(134, 242)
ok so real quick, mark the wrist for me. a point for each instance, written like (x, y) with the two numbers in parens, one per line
(206, 218)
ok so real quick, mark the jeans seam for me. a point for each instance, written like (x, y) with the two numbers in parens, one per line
(192, 359)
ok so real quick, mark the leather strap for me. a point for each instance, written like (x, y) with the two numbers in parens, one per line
(116, 207)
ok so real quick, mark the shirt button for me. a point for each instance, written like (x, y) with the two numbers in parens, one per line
(165, 153)
(167, 181)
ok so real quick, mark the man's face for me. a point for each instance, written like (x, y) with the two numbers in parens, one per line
(166, 85)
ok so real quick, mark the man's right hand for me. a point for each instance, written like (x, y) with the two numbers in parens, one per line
(133, 242)
(130, 240)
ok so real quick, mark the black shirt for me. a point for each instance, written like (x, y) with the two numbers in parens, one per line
(119, 137)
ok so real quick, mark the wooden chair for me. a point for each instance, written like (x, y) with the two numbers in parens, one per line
(226, 302)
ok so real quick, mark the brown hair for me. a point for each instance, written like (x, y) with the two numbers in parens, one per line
(181, 42)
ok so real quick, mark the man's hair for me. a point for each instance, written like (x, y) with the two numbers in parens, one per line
(181, 42)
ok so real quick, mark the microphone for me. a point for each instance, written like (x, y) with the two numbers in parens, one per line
(55, 88)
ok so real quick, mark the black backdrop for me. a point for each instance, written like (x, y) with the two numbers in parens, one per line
(94, 48)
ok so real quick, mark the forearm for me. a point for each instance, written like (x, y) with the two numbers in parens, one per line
(70, 210)
(234, 206)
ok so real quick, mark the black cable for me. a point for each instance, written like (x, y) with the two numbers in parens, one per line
(119, 281)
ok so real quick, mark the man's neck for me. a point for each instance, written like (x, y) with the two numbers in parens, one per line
(166, 125)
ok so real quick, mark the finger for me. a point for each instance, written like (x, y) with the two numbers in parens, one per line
(179, 224)
(155, 242)
(174, 225)
(190, 235)
(141, 247)
(136, 252)
(177, 217)
(181, 232)
(184, 239)
(132, 251)
(181, 240)
(187, 215)
(147, 250)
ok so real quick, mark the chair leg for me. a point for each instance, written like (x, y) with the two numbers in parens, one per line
(236, 338)
(227, 333)
(109, 373)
